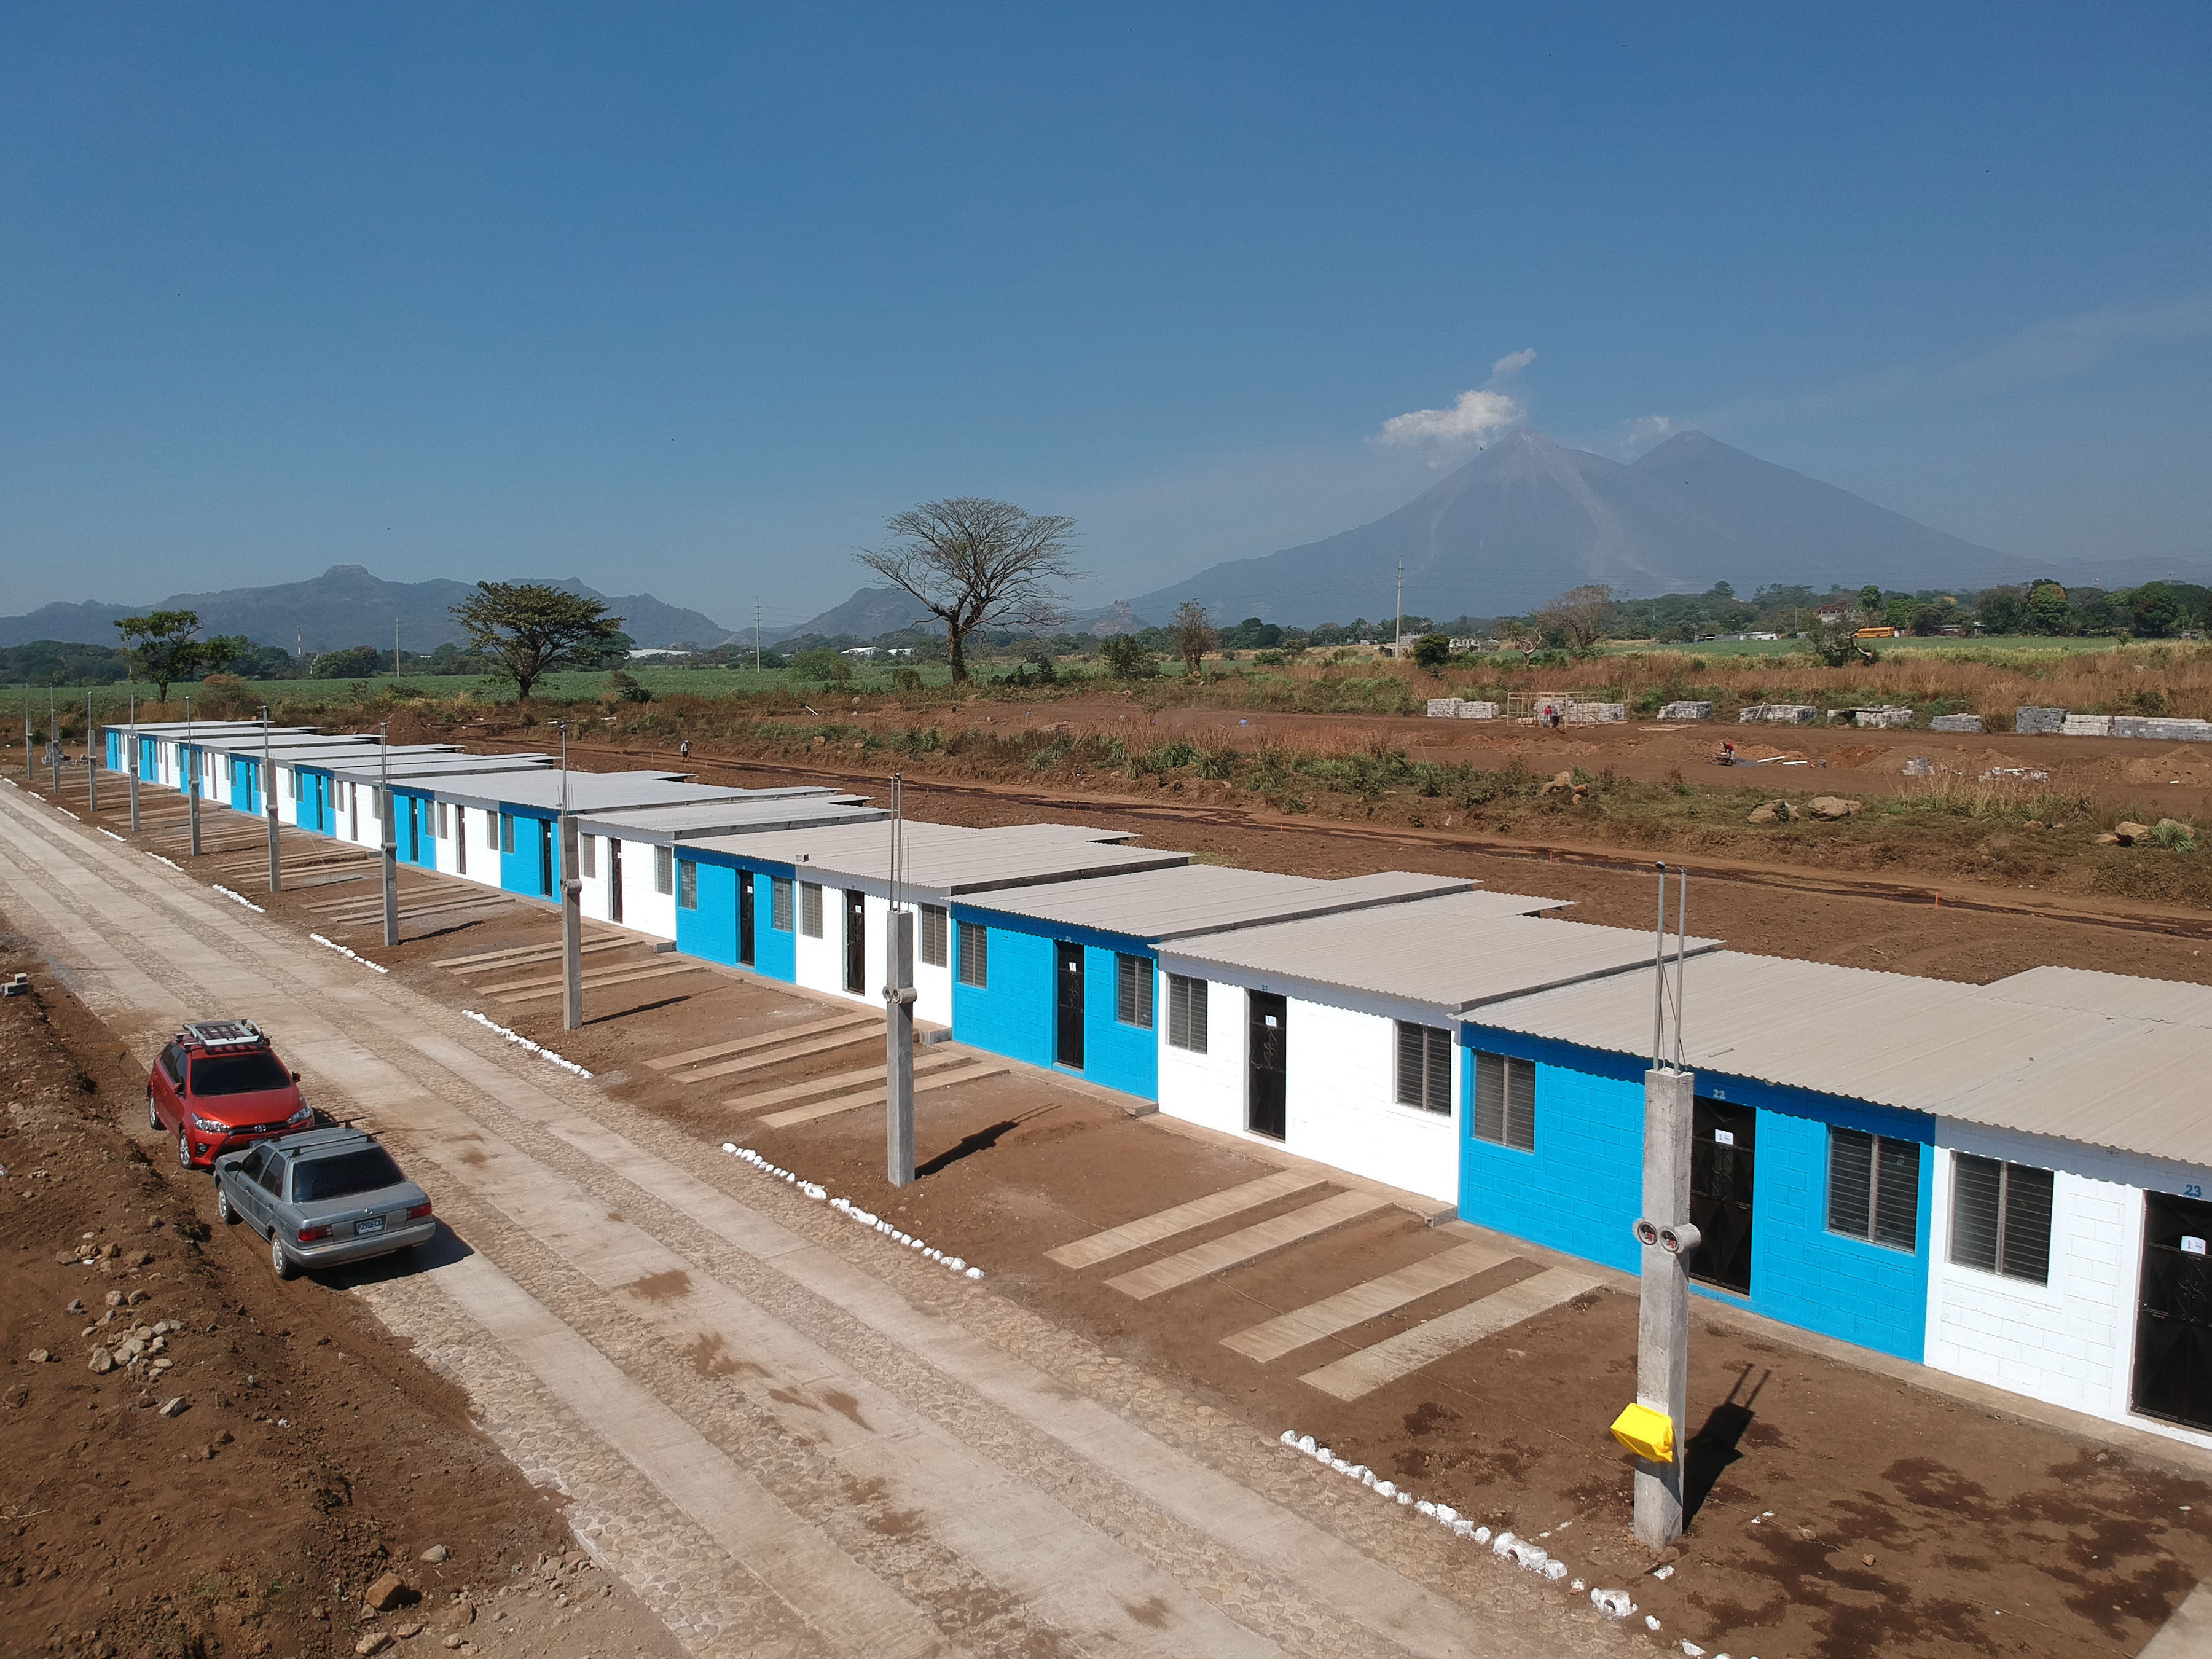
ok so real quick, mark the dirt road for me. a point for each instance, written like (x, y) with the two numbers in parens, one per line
(790, 1435)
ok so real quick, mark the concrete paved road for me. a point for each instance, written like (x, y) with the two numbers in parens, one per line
(792, 1436)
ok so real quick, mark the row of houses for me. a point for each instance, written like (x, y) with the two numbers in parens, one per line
(2004, 1182)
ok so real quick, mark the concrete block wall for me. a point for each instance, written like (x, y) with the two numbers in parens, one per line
(1340, 1085)
(2069, 1342)
(1581, 1188)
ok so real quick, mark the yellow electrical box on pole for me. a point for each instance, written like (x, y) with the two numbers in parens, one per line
(1648, 1434)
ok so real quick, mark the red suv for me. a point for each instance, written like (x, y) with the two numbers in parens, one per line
(219, 1086)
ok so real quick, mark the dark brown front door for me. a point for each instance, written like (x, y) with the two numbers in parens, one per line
(1723, 1148)
(1266, 1109)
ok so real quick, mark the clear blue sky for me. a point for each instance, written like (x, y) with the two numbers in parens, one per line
(689, 298)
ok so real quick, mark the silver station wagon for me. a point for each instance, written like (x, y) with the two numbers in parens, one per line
(322, 1197)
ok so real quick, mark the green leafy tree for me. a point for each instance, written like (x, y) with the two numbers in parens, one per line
(824, 666)
(356, 662)
(529, 629)
(1124, 657)
(162, 648)
(2049, 610)
(1193, 634)
(2156, 610)
(1870, 599)
(977, 563)
(1432, 652)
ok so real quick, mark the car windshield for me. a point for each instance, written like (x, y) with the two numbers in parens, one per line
(239, 1074)
(344, 1175)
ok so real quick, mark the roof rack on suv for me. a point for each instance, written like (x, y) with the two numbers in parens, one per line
(225, 1034)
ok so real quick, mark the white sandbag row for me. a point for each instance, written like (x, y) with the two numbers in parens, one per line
(1523, 1552)
(852, 1211)
(240, 897)
(522, 1042)
(332, 945)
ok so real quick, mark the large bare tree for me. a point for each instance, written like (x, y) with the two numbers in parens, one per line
(1583, 614)
(974, 563)
(1193, 634)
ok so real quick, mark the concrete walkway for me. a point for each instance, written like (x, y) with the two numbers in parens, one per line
(794, 1437)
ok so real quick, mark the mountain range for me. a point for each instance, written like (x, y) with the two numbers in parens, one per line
(345, 607)
(1528, 518)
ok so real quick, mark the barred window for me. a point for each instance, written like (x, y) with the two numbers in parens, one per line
(974, 955)
(810, 908)
(1132, 992)
(663, 869)
(687, 885)
(2001, 1218)
(932, 935)
(1504, 1101)
(778, 903)
(1187, 1013)
(445, 822)
(1425, 1067)
(1874, 1188)
(587, 856)
(507, 832)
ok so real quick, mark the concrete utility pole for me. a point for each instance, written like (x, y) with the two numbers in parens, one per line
(899, 1008)
(756, 651)
(391, 836)
(1667, 1242)
(91, 765)
(54, 744)
(130, 763)
(192, 779)
(30, 757)
(269, 799)
(572, 907)
(1398, 621)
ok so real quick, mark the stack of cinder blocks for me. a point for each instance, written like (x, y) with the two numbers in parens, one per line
(1595, 713)
(1956, 723)
(1461, 709)
(1778, 713)
(1686, 711)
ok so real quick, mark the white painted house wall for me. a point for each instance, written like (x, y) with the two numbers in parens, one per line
(2070, 1342)
(644, 908)
(1341, 1084)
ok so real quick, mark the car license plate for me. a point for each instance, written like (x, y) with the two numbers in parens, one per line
(374, 1224)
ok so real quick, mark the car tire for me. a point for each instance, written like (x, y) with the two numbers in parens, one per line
(184, 1149)
(152, 1117)
(228, 1216)
(284, 1267)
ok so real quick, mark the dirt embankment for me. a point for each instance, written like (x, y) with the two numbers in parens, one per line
(257, 1455)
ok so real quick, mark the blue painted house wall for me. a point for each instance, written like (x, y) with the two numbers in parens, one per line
(1581, 1189)
(710, 932)
(1016, 1014)
(315, 812)
(775, 952)
(414, 820)
(523, 871)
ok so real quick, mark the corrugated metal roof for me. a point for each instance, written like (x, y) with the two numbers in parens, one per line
(1984, 1054)
(945, 858)
(2091, 993)
(1455, 952)
(281, 740)
(1205, 898)
(368, 768)
(587, 791)
(752, 814)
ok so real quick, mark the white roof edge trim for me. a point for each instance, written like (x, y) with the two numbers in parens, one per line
(1343, 906)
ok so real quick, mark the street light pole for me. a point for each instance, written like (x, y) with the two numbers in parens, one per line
(898, 1007)
(54, 746)
(91, 766)
(130, 763)
(391, 836)
(269, 800)
(1654, 1427)
(191, 779)
(572, 908)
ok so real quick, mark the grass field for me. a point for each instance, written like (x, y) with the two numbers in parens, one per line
(2029, 644)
